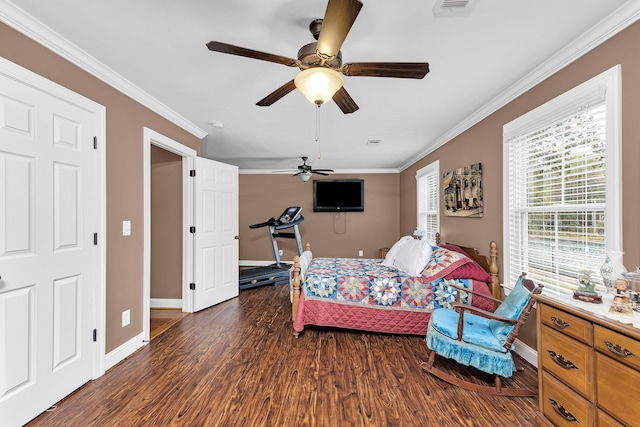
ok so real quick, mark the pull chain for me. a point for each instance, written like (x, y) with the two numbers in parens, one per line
(318, 129)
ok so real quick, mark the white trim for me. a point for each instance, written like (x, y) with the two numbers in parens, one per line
(24, 23)
(29, 78)
(122, 352)
(166, 303)
(336, 171)
(151, 137)
(611, 25)
(255, 263)
(527, 353)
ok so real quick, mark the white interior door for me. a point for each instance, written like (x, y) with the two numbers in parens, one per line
(48, 260)
(216, 243)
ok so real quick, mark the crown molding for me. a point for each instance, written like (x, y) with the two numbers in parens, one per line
(335, 172)
(617, 21)
(24, 23)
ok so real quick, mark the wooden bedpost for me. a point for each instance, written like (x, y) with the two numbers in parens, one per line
(493, 270)
(296, 290)
(437, 238)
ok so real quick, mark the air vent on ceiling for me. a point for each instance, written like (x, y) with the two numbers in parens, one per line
(452, 7)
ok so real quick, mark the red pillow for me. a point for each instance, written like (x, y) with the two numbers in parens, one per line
(470, 270)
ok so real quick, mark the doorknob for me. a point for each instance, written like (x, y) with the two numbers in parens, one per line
(237, 237)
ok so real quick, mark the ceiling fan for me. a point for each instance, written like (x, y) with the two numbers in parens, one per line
(322, 60)
(305, 171)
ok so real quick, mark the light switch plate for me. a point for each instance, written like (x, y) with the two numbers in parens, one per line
(126, 228)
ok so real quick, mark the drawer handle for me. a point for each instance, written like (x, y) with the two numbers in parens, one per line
(618, 350)
(562, 411)
(560, 360)
(559, 322)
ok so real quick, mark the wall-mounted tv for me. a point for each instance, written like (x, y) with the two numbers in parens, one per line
(338, 195)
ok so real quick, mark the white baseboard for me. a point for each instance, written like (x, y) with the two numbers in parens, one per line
(119, 354)
(527, 353)
(255, 263)
(166, 303)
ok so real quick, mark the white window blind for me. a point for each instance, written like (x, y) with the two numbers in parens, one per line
(558, 190)
(427, 200)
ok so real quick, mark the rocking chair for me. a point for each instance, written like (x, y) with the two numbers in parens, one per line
(483, 340)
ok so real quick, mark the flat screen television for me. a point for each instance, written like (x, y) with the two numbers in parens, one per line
(338, 195)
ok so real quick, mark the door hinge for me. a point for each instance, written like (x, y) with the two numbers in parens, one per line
(95, 238)
(192, 286)
(95, 142)
(192, 172)
(95, 335)
(192, 230)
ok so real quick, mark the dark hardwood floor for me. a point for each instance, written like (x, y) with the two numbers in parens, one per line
(238, 364)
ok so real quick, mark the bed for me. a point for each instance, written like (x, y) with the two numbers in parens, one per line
(376, 295)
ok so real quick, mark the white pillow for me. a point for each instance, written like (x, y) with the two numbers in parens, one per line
(390, 259)
(413, 257)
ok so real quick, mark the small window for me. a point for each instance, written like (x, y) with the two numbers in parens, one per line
(427, 197)
(562, 186)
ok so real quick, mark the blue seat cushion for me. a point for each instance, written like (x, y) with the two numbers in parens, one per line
(479, 347)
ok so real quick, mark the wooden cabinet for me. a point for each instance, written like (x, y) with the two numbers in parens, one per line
(588, 367)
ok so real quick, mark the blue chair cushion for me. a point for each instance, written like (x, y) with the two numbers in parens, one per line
(478, 348)
(476, 329)
(511, 308)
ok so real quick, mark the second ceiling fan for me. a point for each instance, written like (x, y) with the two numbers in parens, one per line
(322, 60)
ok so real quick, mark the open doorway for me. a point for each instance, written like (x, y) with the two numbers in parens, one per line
(167, 213)
(166, 240)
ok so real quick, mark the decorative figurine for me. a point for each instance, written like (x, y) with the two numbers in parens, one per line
(587, 289)
(621, 301)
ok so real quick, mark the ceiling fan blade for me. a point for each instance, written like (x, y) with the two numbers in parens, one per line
(338, 19)
(277, 94)
(344, 101)
(405, 70)
(322, 171)
(250, 53)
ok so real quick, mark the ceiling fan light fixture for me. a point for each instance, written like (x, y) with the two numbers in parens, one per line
(304, 176)
(318, 84)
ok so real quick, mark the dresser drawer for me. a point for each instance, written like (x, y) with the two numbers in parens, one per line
(619, 347)
(578, 328)
(570, 361)
(618, 389)
(605, 420)
(562, 406)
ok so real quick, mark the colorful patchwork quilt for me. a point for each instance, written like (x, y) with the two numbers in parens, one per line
(363, 294)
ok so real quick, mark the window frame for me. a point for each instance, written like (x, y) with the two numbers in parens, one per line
(607, 86)
(432, 169)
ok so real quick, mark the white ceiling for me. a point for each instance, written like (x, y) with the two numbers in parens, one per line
(478, 61)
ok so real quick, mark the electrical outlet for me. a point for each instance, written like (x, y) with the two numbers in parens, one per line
(360, 252)
(280, 252)
(126, 318)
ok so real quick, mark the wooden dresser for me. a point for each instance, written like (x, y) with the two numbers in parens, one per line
(588, 367)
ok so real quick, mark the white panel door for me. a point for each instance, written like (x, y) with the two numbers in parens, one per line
(47, 254)
(216, 243)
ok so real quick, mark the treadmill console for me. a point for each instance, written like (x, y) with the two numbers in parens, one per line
(289, 215)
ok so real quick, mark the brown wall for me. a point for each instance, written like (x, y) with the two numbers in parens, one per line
(483, 143)
(125, 122)
(342, 235)
(166, 224)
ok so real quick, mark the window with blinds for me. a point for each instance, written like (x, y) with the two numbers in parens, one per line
(427, 200)
(562, 187)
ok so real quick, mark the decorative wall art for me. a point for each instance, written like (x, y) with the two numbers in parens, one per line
(463, 192)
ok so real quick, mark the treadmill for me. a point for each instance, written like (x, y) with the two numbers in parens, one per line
(278, 273)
